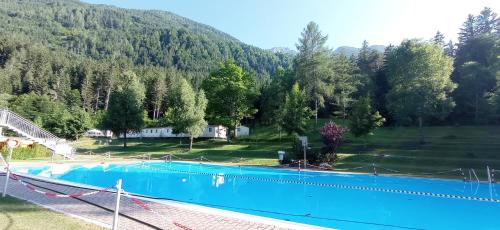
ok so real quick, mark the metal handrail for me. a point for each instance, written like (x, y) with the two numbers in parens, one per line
(29, 129)
(24, 125)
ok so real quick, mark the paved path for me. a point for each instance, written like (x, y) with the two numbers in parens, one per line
(98, 208)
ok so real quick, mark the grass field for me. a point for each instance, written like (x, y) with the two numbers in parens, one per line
(16, 214)
(395, 148)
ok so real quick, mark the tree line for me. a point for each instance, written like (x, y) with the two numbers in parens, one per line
(418, 82)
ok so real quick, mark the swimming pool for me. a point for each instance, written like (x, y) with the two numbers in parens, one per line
(337, 200)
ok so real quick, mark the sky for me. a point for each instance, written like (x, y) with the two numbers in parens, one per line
(278, 23)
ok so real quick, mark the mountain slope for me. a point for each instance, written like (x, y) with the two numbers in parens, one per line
(143, 37)
(283, 50)
(353, 51)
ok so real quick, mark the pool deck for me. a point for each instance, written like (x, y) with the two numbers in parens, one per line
(98, 208)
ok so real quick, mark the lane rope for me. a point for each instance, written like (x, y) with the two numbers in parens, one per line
(340, 186)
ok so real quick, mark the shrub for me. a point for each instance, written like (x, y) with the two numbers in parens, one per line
(35, 151)
(297, 153)
(363, 120)
(287, 159)
(332, 136)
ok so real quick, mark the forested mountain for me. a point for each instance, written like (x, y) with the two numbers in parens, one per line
(353, 51)
(143, 37)
(283, 50)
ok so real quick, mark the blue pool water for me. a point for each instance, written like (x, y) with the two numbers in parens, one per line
(342, 201)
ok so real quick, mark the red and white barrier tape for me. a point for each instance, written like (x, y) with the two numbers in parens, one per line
(33, 188)
(73, 195)
(147, 208)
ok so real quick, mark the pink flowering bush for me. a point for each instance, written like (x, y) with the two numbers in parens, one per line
(332, 135)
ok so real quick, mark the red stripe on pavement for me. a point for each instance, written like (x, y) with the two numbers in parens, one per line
(13, 176)
(182, 226)
(140, 204)
(30, 187)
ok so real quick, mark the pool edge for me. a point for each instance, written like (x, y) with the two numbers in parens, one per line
(195, 207)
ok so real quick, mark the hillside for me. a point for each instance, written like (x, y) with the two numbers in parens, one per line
(353, 51)
(143, 37)
(283, 50)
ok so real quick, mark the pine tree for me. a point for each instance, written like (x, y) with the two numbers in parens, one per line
(156, 91)
(449, 49)
(312, 65)
(345, 81)
(369, 62)
(486, 21)
(438, 39)
(475, 84)
(475, 61)
(468, 30)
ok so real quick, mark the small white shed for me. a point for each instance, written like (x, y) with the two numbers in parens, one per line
(98, 133)
(242, 131)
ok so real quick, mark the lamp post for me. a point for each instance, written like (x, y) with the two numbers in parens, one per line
(303, 139)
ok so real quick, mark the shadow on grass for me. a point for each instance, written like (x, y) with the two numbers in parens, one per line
(10, 220)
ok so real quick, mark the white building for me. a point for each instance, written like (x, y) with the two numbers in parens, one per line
(98, 133)
(211, 131)
(242, 131)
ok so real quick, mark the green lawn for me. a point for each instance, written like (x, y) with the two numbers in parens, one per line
(445, 148)
(395, 148)
(213, 150)
(17, 214)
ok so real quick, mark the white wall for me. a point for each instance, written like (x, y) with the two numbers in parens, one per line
(212, 131)
(242, 131)
(98, 133)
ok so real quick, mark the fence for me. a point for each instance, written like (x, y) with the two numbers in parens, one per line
(467, 174)
(124, 207)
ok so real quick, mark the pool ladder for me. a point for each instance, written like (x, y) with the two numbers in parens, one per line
(471, 173)
(168, 158)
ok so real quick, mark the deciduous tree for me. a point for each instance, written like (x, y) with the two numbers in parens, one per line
(295, 112)
(475, 85)
(363, 119)
(419, 78)
(125, 111)
(231, 93)
(187, 111)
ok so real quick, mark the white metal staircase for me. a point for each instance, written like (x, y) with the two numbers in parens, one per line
(30, 130)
